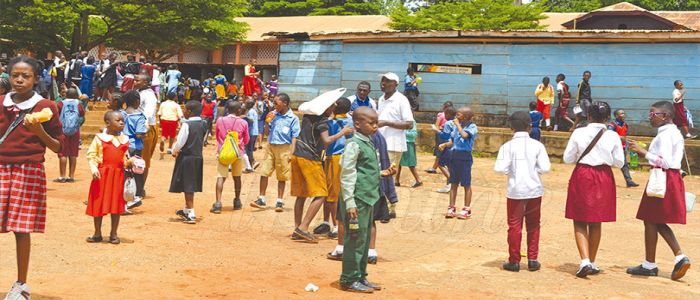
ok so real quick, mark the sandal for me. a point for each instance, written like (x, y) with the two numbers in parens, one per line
(94, 239)
(114, 240)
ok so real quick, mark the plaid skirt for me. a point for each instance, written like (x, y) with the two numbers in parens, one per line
(22, 198)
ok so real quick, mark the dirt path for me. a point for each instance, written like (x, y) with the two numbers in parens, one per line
(248, 253)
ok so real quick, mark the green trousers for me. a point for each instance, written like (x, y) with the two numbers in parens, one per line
(355, 251)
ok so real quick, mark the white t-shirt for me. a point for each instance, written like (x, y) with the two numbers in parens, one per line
(677, 98)
(396, 108)
(523, 159)
(155, 81)
(608, 150)
(149, 105)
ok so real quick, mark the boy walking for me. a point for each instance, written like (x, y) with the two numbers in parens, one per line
(283, 132)
(618, 125)
(523, 159)
(232, 122)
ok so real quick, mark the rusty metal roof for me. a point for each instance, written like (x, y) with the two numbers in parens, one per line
(259, 26)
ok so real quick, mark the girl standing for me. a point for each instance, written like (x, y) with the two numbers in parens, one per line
(250, 83)
(665, 152)
(221, 82)
(591, 195)
(107, 159)
(22, 150)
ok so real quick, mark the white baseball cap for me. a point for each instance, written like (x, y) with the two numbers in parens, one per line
(391, 76)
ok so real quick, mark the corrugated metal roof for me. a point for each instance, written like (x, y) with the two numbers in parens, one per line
(622, 6)
(259, 26)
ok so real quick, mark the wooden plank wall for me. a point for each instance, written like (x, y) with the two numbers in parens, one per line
(628, 76)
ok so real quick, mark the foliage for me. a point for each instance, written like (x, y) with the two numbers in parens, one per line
(589, 5)
(155, 27)
(468, 15)
(272, 8)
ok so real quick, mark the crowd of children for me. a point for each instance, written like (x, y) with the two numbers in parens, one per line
(340, 158)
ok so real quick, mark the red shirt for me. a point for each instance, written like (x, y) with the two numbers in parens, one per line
(23, 146)
(208, 109)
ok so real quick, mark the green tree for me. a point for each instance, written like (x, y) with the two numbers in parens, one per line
(155, 27)
(272, 8)
(466, 15)
(589, 5)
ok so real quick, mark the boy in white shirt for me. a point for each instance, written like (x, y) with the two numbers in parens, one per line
(523, 159)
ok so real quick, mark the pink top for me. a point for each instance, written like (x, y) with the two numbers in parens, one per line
(441, 119)
(232, 123)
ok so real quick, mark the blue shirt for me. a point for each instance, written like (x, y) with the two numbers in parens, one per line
(357, 102)
(252, 117)
(460, 145)
(536, 117)
(334, 126)
(134, 124)
(407, 83)
(284, 128)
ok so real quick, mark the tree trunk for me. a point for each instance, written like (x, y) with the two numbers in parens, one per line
(79, 40)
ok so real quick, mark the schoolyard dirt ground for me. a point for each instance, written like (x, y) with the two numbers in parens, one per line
(248, 253)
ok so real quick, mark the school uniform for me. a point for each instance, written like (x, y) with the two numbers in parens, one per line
(408, 158)
(523, 159)
(536, 120)
(666, 152)
(621, 128)
(224, 125)
(592, 193)
(253, 131)
(188, 170)
(308, 176)
(461, 160)
(545, 98)
(283, 128)
(71, 145)
(170, 114)
(134, 124)
(334, 153)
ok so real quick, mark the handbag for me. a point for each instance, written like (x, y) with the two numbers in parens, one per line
(129, 189)
(590, 146)
(657, 183)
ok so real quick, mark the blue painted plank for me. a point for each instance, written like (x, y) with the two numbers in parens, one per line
(607, 49)
(306, 47)
(311, 56)
(578, 58)
(301, 65)
(426, 48)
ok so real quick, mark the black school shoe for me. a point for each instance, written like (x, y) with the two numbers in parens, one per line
(372, 260)
(632, 184)
(533, 265)
(322, 229)
(334, 256)
(237, 205)
(513, 267)
(641, 271)
(584, 271)
(356, 287)
(680, 268)
(368, 284)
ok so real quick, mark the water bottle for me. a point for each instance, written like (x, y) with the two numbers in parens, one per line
(634, 159)
(354, 227)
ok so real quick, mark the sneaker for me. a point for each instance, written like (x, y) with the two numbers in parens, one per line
(465, 213)
(680, 268)
(18, 292)
(134, 204)
(444, 189)
(323, 228)
(260, 203)
(690, 136)
(306, 236)
(237, 205)
(356, 287)
(641, 271)
(584, 271)
(632, 184)
(279, 206)
(431, 171)
(451, 212)
(513, 267)
(186, 218)
(216, 208)
(372, 260)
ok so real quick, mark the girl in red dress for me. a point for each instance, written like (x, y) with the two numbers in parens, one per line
(250, 82)
(591, 195)
(665, 152)
(107, 159)
(22, 150)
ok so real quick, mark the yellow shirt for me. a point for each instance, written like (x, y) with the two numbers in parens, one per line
(545, 94)
(170, 111)
(94, 153)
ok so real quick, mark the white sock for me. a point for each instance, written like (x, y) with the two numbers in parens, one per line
(648, 265)
(247, 162)
(372, 252)
(546, 122)
(585, 262)
(279, 200)
(335, 229)
(594, 265)
(261, 197)
(326, 222)
(338, 249)
(679, 257)
(556, 127)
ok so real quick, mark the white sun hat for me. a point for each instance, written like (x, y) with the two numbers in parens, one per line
(320, 104)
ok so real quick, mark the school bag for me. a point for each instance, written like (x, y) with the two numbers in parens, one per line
(70, 116)
(229, 150)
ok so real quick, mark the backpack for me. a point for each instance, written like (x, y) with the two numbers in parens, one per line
(70, 116)
(76, 70)
(229, 150)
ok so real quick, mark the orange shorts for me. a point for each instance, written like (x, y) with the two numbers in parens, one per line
(332, 169)
(308, 178)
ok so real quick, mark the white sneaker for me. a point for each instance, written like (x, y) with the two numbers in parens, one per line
(18, 292)
(690, 136)
(444, 190)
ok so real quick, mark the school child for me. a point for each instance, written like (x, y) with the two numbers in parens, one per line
(360, 178)
(665, 152)
(408, 158)
(264, 107)
(232, 122)
(620, 127)
(170, 115)
(252, 119)
(70, 115)
(680, 119)
(562, 112)
(340, 121)
(22, 150)
(462, 133)
(283, 131)
(308, 176)
(595, 150)
(440, 121)
(443, 151)
(272, 86)
(135, 128)
(545, 98)
(583, 101)
(107, 158)
(535, 121)
(220, 87)
(208, 114)
(187, 173)
(523, 159)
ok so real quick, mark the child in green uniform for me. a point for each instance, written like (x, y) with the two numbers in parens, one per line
(359, 179)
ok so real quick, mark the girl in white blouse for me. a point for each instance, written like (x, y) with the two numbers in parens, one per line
(665, 152)
(591, 195)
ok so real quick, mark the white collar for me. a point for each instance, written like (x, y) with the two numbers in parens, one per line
(597, 125)
(119, 140)
(27, 104)
(195, 119)
(521, 134)
(667, 127)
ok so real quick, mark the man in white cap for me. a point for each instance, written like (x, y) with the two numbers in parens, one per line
(395, 116)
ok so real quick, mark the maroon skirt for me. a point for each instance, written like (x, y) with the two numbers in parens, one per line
(670, 209)
(680, 119)
(592, 195)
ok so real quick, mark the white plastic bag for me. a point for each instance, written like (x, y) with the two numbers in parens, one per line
(577, 109)
(657, 183)
(689, 201)
(129, 189)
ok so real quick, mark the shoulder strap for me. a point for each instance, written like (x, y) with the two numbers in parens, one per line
(15, 123)
(591, 145)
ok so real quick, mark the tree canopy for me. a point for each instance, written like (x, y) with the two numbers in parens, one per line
(272, 8)
(155, 27)
(467, 15)
(589, 5)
